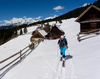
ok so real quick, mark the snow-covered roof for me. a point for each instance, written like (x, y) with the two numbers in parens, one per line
(42, 32)
(59, 28)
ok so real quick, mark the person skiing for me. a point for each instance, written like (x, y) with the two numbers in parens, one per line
(62, 42)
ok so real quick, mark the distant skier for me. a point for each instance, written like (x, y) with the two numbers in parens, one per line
(62, 45)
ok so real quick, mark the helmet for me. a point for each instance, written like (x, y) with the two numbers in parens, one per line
(62, 36)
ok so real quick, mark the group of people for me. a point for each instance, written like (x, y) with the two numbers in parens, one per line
(63, 45)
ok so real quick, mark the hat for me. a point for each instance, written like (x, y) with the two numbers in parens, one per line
(62, 36)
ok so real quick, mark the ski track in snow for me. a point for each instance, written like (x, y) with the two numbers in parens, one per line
(60, 71)
(67, 72)
(72, 76)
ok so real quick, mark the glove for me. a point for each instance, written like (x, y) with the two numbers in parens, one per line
(66, 47)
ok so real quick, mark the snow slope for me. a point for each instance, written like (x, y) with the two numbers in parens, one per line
(16, 44)
(43, 62)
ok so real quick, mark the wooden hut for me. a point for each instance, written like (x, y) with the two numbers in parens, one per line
(54, 33)
(38, 35)
(90, 19)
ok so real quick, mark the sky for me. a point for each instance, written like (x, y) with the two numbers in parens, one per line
(24, 10)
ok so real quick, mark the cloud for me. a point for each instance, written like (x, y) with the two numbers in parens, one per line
(27, 19)
(0, 21)
(14, 20)
(51, 17)
(58, 8)
(85, 4)
(22, 20)
(38, 17)
(7, 22)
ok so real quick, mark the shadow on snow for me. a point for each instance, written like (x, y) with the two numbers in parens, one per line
(68, 57)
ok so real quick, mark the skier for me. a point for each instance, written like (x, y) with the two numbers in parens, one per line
(62, 46)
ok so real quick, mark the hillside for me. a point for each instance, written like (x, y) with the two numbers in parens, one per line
(71, 14)
(43, 62)
(16, 44)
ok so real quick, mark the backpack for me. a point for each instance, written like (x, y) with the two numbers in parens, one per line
(62, 43)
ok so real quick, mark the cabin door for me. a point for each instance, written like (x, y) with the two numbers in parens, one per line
(93, 26)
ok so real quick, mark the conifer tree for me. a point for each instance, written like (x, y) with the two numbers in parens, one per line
(25, 30)
(5, 36)
(47, 27)
(21, 32)
(60, 21)
(15, 32)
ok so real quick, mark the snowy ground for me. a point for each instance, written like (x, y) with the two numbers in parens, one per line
(43, 62)
(16, 44)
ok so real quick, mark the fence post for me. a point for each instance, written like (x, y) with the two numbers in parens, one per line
(78, 37)
(20, 55)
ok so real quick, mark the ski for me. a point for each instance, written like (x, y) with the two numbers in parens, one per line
(63, 63)
(61, 58)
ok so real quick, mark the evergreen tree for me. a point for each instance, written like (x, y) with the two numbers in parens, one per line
(98, 0)
(15, 32)
(60, 21)
(1, 33)
(47, 27)
(5, 36)
(25, 30)
(21, 32)
(56, 21)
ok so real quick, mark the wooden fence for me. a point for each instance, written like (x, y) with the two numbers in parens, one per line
(16, 59)
(84, 34)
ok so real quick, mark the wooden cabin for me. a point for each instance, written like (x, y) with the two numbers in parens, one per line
(38, 35)
(54, 33)
(90, 19)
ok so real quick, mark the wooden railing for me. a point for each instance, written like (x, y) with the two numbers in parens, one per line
(16, 59)
(13, 62)
(84, 34)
